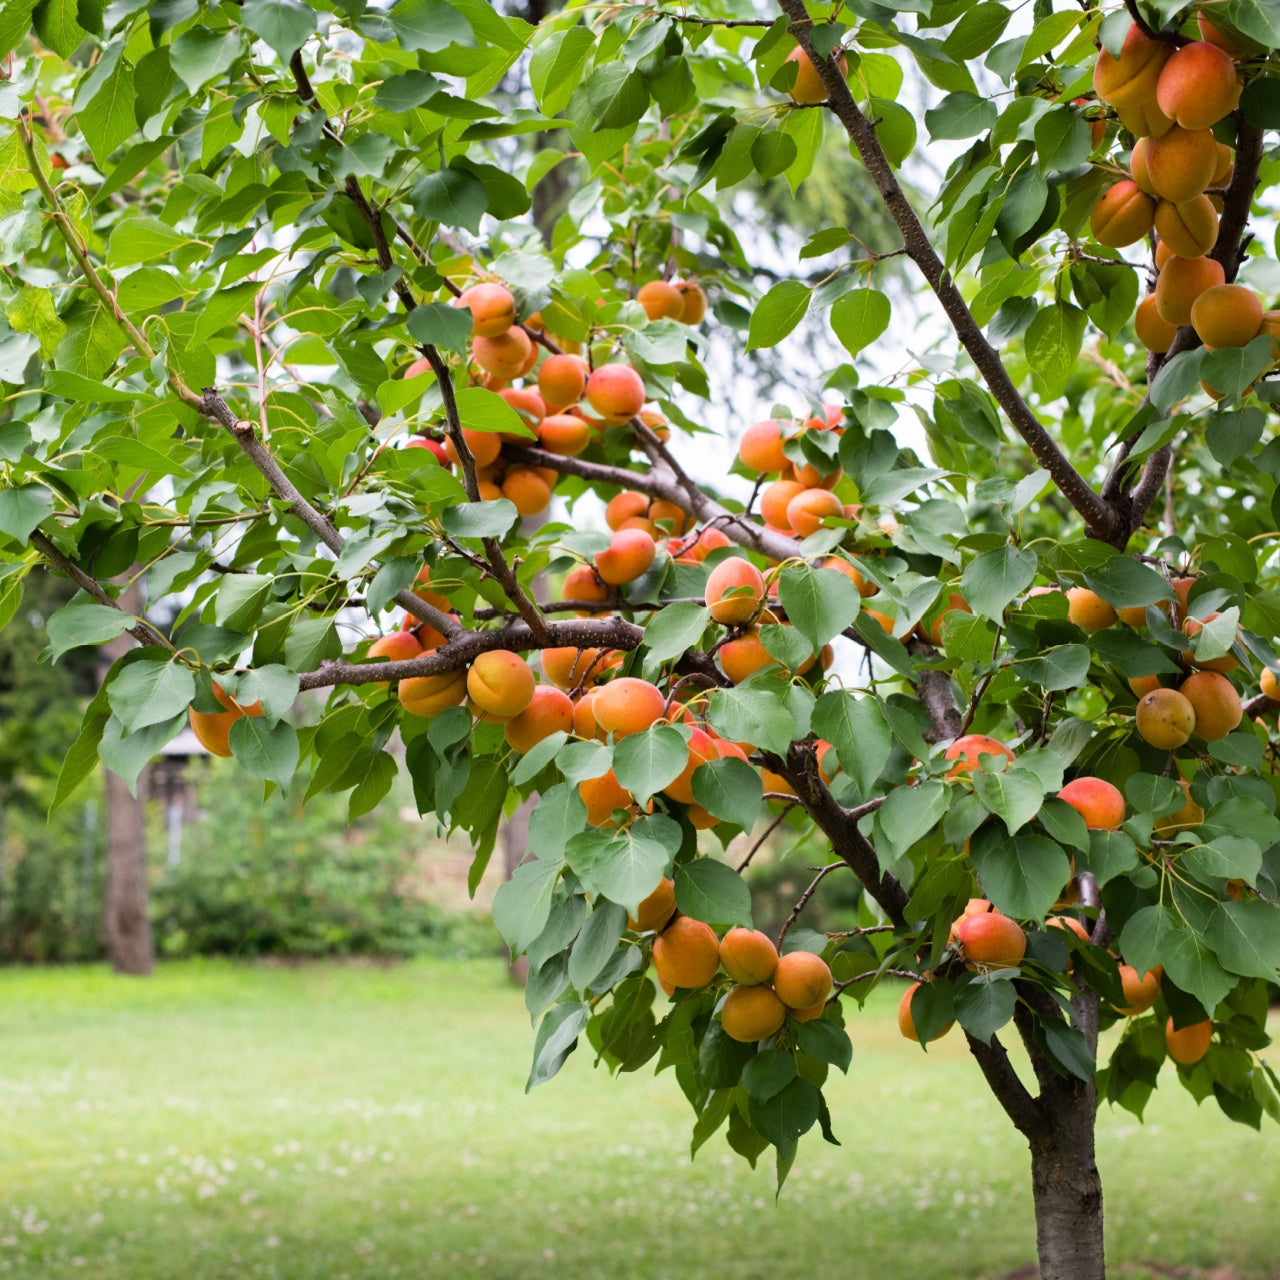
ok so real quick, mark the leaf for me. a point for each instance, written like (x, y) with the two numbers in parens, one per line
(34, 311)
(983, 1004)
(556, 67)
(758, 716)
(1246, 938)
(785, 1117)
(106, 119)
(1062, 667)
(1023, 876)
(675, 628)
(1013, 796)
(596, 943)
(729, 789)
(960, 115)
(82, 758)
(429, 26)
(991, 580)
(858, 730)
(266, 750)
(491, 519)
(910, 813)
(286, 25)
(480, 409)
(713, 892)
(1067, 1047)
(557, 1038)
(616, 96)
(127, 754)
(201, 55)
(1144, 938)
(768, 1072)
(859, 318)
(452, 197)
(522, 904)
(650, 760)
(826, 1042)
(83, 622)
(1192, 965)
(22, 510)
(440, 325)
(820, 603)
(1052, 344)
(147, 693)
(777, 313)
(623, 866)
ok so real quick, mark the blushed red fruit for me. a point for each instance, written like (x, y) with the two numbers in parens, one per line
(550, 711)
(655, 910)
(661, 301)
(397, 646)
(629, 554)
(809, 510)
(686, 953)
(493, 309)
(990, 940)
(752, 1013)
(505, 356)
(1181, 163)
(748, 955)
(967, 751)
(628, 705)
(906, 1024)
(1188, 1045)
(808, 88)
(615, 392)
(1214, 702)
(802, 979)
(429, 696)
(562, 380)
(500, 683)
(760, 448)
(1198, 85)
(1122, 215)
(1131, 79)
(735, 591)
(1097, 801)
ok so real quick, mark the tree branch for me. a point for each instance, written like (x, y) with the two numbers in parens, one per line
(1005, 1083)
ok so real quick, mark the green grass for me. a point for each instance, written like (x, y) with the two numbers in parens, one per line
(326, 1122)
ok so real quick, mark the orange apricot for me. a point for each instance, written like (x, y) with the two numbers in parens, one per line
(1122, 215)
(990, 940)
(1156, 334)
(1181, 163)
(629, 554)
(735, 591)
(1227, 315)
(1190, 815)
(956, 603)
(967, 752)
(615, 392)
(1142, 685)
(531, 407)
(1269, 684)
(568, 667)
(428, 696)
(1145, 120)
(686, 953)
(808, 88)
(493, 309)
(584, 720)
(500, 683)
(1089, 610)
(752, 1013)
(1068, 924)
(1187, 1045)
(484, 446)
(701, 750)
(1214, 702)
(1097, 801)
(1165, 718)
(1131, 79)
(747, 955)
(801, 979)
(1224, 665)
(562, 380)
(549, 711)
(809, 510)
(563, 435)
(1198, 85)
(213, 728)
(744, 656)
(906, 1024)
(628, 705)
(655, 910)
(603, 796)
(1181, 282)
(623, 506)
(695, 302)
(1139, 992)
(506, 356)
(1189, 228)
(760, 448)
(661, 301)
(395, 647)
(1138, 167)
(526, 490)
(774, 500)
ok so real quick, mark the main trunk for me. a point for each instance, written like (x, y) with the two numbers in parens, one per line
(128, 929)
(1066, 1187)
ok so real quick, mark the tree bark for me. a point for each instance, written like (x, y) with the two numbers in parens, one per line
(1066, 1187)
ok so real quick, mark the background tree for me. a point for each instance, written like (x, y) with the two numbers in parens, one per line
(281, 330)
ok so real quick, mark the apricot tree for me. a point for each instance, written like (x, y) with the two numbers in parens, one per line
(282, 343)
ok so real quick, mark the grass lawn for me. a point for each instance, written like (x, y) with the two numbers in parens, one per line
(218, 1122)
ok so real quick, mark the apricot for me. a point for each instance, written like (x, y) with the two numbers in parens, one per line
(484, 446)
(1224, 665)
(627, 705)
(808, 88)
(1198, 85)
(1156, 334)
(1181, 282)
(774, 500)
(603, 796)
(1143, 684)
(686, 953)
(760, 448)
(1214, 702)
(615, 392)
(752, 1013)
(744, 656)
(1122, 215)
(629, 554)
(500, 683)
(623, 506)
(956, 603)
(550, 711)
(528, 404)
(1269, 684)
(1190, 815)
(990, 940)
(526, 490)
(668, 515)
(1230, 42)
(735, 591)
(661, 301)
(1188, 1045)
(1181, 163)
(747, 955)
(1190, 229)
(1226, 166)
(562, 380)
(428, 696)
(584, 719)
(968, 750)
(1087, 609)
(1227, 315)
(974, 907)
(701, 750)
(213, 728)
(1139, 992)
(568, 667)
(563, 435)
(507, 356)
(906, 1024)
(655, 910)
(809, 510)
(1182, 589)
(802, 979)
(695, 302)
(1068, 924)
(493, 309)
(1131, 79)
(1165, 718)
(1145, 120)
(1097, 801)
(395, 647)
(1138, 167)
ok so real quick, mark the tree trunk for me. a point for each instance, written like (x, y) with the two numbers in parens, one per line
(1066, 1186)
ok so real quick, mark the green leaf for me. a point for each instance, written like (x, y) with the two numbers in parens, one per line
(142, 239)
(983, 1004)
(127, 754)
(1052, 345)
(859, 318)
(1062, 667)
(522, 904)
(1144, 938)
(820, 603)
(960, 115)
(768, 1072)
(647, 761)
(713, 892)
(266, 750)
(772, 153)
(310, 642)
(616, 96)
(777, 313)
(146, 693)
(675, 628)
(452, 197)
(82, 759)
(21, 510)
(1023, 876)
(75, 386)
(286, 25)
(556, 67)
(440, 325)
(1014, 795)
(106, 118)
(992, 579)
(490, 519)
(910, 813)
(83, 623)
(201, 55)
(34, 311)
(624, 865)
(826, 1042)
(596, 943)
(759, 716)
(729, 789)
(1067, 1047)
(480, 409)
(429, 26)
(1191, 964)
(1110, 854)
(858, 730)
(785, 1117)
(557, 1038)
(1246, 938)
(15, 22)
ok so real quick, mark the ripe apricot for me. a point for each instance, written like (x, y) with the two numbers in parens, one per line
(974, 907)
(500, 683)
(1155, 333)
(1269, 684)
(747, 955)
(526, 490)
(395, 647)
(760, 448)
(484, 446)
(563, 435)
(735, 591)
(701, 750)
(686, 953)
(695, 302)
(615, 392)
(1180, 164)
(810, 509)
(744, 656)
(562, 380)
(990, 940)
(1181, 282)
(1097, 801)
(1198, 85)
(428, 696)
(752, 1013)
(493, 309)
(1230, 42)
(1145, 120)
(550, 711)
(1087, 609)
(661, 301)
(603, 796)
(906, 1024)
(967, 752)
(584, 718)
(213, 728)
(1227, 315)
(531, 407)
(568, 667)
(801, 979)
(1223, 665)
(1214, 702)
(1068, 924)
(506, 356)
(623, 506)
(628, 705)
(1190, 815)
(1122, 215)
(1138, 167)
(1190, 228)
(1165, 718)
(629, 554)
(1188, 1045)
(655, 910)
(774, 500)
(808, 88)
(1131, 79)
(1139, 992)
